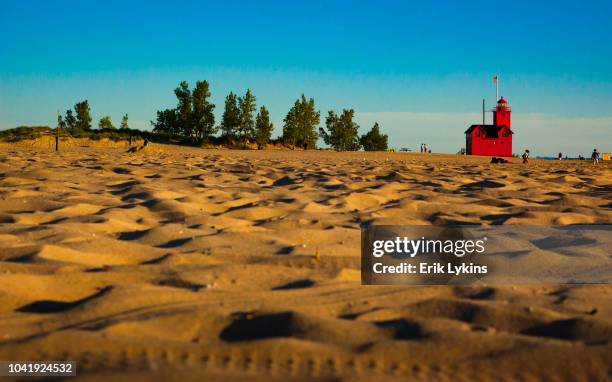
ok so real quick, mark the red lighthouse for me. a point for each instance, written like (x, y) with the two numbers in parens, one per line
(492, 140)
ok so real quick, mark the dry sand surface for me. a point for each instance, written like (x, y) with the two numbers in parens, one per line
(182, 263)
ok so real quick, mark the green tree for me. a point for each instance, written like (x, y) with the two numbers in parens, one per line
(184, 109)
(300, 124)
(231, 116)
(166, 123)
(203, 117)
(60, 122)
(193, 116)
(341, 131)
(263, 128)
(124, 123)
(83, 115)
(373, 140)
(106, 123)
(69, 120)
(246, 126)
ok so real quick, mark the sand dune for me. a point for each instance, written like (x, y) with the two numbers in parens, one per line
(182, 263)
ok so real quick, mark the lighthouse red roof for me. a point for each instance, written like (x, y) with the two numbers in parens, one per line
(489, 131)
(502, 100)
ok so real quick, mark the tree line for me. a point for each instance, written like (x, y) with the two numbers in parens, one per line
(193, 119)
(79, 120)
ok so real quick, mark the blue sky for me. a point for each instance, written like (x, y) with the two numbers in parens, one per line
(419, 68)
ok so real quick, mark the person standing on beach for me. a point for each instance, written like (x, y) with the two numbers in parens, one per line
(560, 156)
(595, 156)
(526, 156)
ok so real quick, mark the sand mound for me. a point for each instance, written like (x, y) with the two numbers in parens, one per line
(179, 263)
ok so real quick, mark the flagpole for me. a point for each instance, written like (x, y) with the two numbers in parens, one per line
(496, 88)
(483, 111)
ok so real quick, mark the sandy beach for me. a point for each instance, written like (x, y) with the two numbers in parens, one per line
(186, 263)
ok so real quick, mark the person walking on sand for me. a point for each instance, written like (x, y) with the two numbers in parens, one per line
(595, 156)
(526, 156)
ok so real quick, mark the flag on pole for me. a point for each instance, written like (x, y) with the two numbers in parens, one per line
(495, 80)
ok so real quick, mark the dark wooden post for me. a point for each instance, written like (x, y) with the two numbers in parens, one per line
(57, 130)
